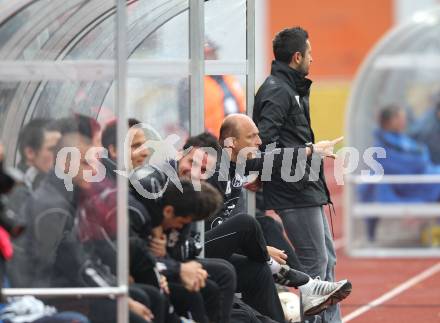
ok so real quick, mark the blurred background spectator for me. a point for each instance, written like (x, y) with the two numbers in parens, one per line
(224, 95)
(404, 156)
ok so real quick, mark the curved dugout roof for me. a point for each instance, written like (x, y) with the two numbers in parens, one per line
(73, 30)
(403, 68)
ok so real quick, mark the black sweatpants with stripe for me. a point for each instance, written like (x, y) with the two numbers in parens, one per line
(241, 241)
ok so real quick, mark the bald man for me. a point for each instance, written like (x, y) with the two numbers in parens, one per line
(239, 138)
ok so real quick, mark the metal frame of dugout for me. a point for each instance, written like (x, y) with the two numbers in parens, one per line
(402, 68)
(55, 65)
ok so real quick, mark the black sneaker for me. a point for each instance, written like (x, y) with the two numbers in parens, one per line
(290, 277)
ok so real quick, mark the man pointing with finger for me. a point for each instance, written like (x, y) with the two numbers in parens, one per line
(282, 115)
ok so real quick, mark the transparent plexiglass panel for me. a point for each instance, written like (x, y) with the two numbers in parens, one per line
(23, 101)
(165, 38)
(7, 91)
(161, 102)
(225, 30)
(396, 106)
(224, 95)
(75, 29)
(50, 30)
(156, 29)
(403, 70)
(52, 146)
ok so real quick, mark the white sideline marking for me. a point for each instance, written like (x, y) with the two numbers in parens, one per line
(394, 292)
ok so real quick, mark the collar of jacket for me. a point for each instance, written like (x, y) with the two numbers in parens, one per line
(295, 79)
(110, 168)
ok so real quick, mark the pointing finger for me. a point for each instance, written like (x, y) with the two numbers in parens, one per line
(337, 140)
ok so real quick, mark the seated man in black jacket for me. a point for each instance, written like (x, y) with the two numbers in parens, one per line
(225, 233)
(146, 223)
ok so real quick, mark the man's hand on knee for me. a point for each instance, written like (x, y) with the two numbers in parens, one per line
(278, 255)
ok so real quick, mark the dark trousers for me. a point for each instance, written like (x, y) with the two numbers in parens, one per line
(142, 263)
(239, 234)
(243, 313)
(105, 310)
(242, 234)
(274, 235)
(218, 300)
(255, 283)
(63, 317)
(156, 301)
(188, 304)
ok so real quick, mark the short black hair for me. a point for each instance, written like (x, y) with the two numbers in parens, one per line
(84, 126)
(108, 137)
(203, 140)
(289, 41)
(387, 113)
(199, 204)
(32, 136)
(78, 123)
(132, 122)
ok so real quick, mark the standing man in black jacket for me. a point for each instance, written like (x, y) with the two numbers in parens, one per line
(282, 115)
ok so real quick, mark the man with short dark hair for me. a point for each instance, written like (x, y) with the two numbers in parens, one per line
(36, 144)
(138, 153)
(172, 211)
(282, 115)
(51, 209)
(55, 255)
(221, 282)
